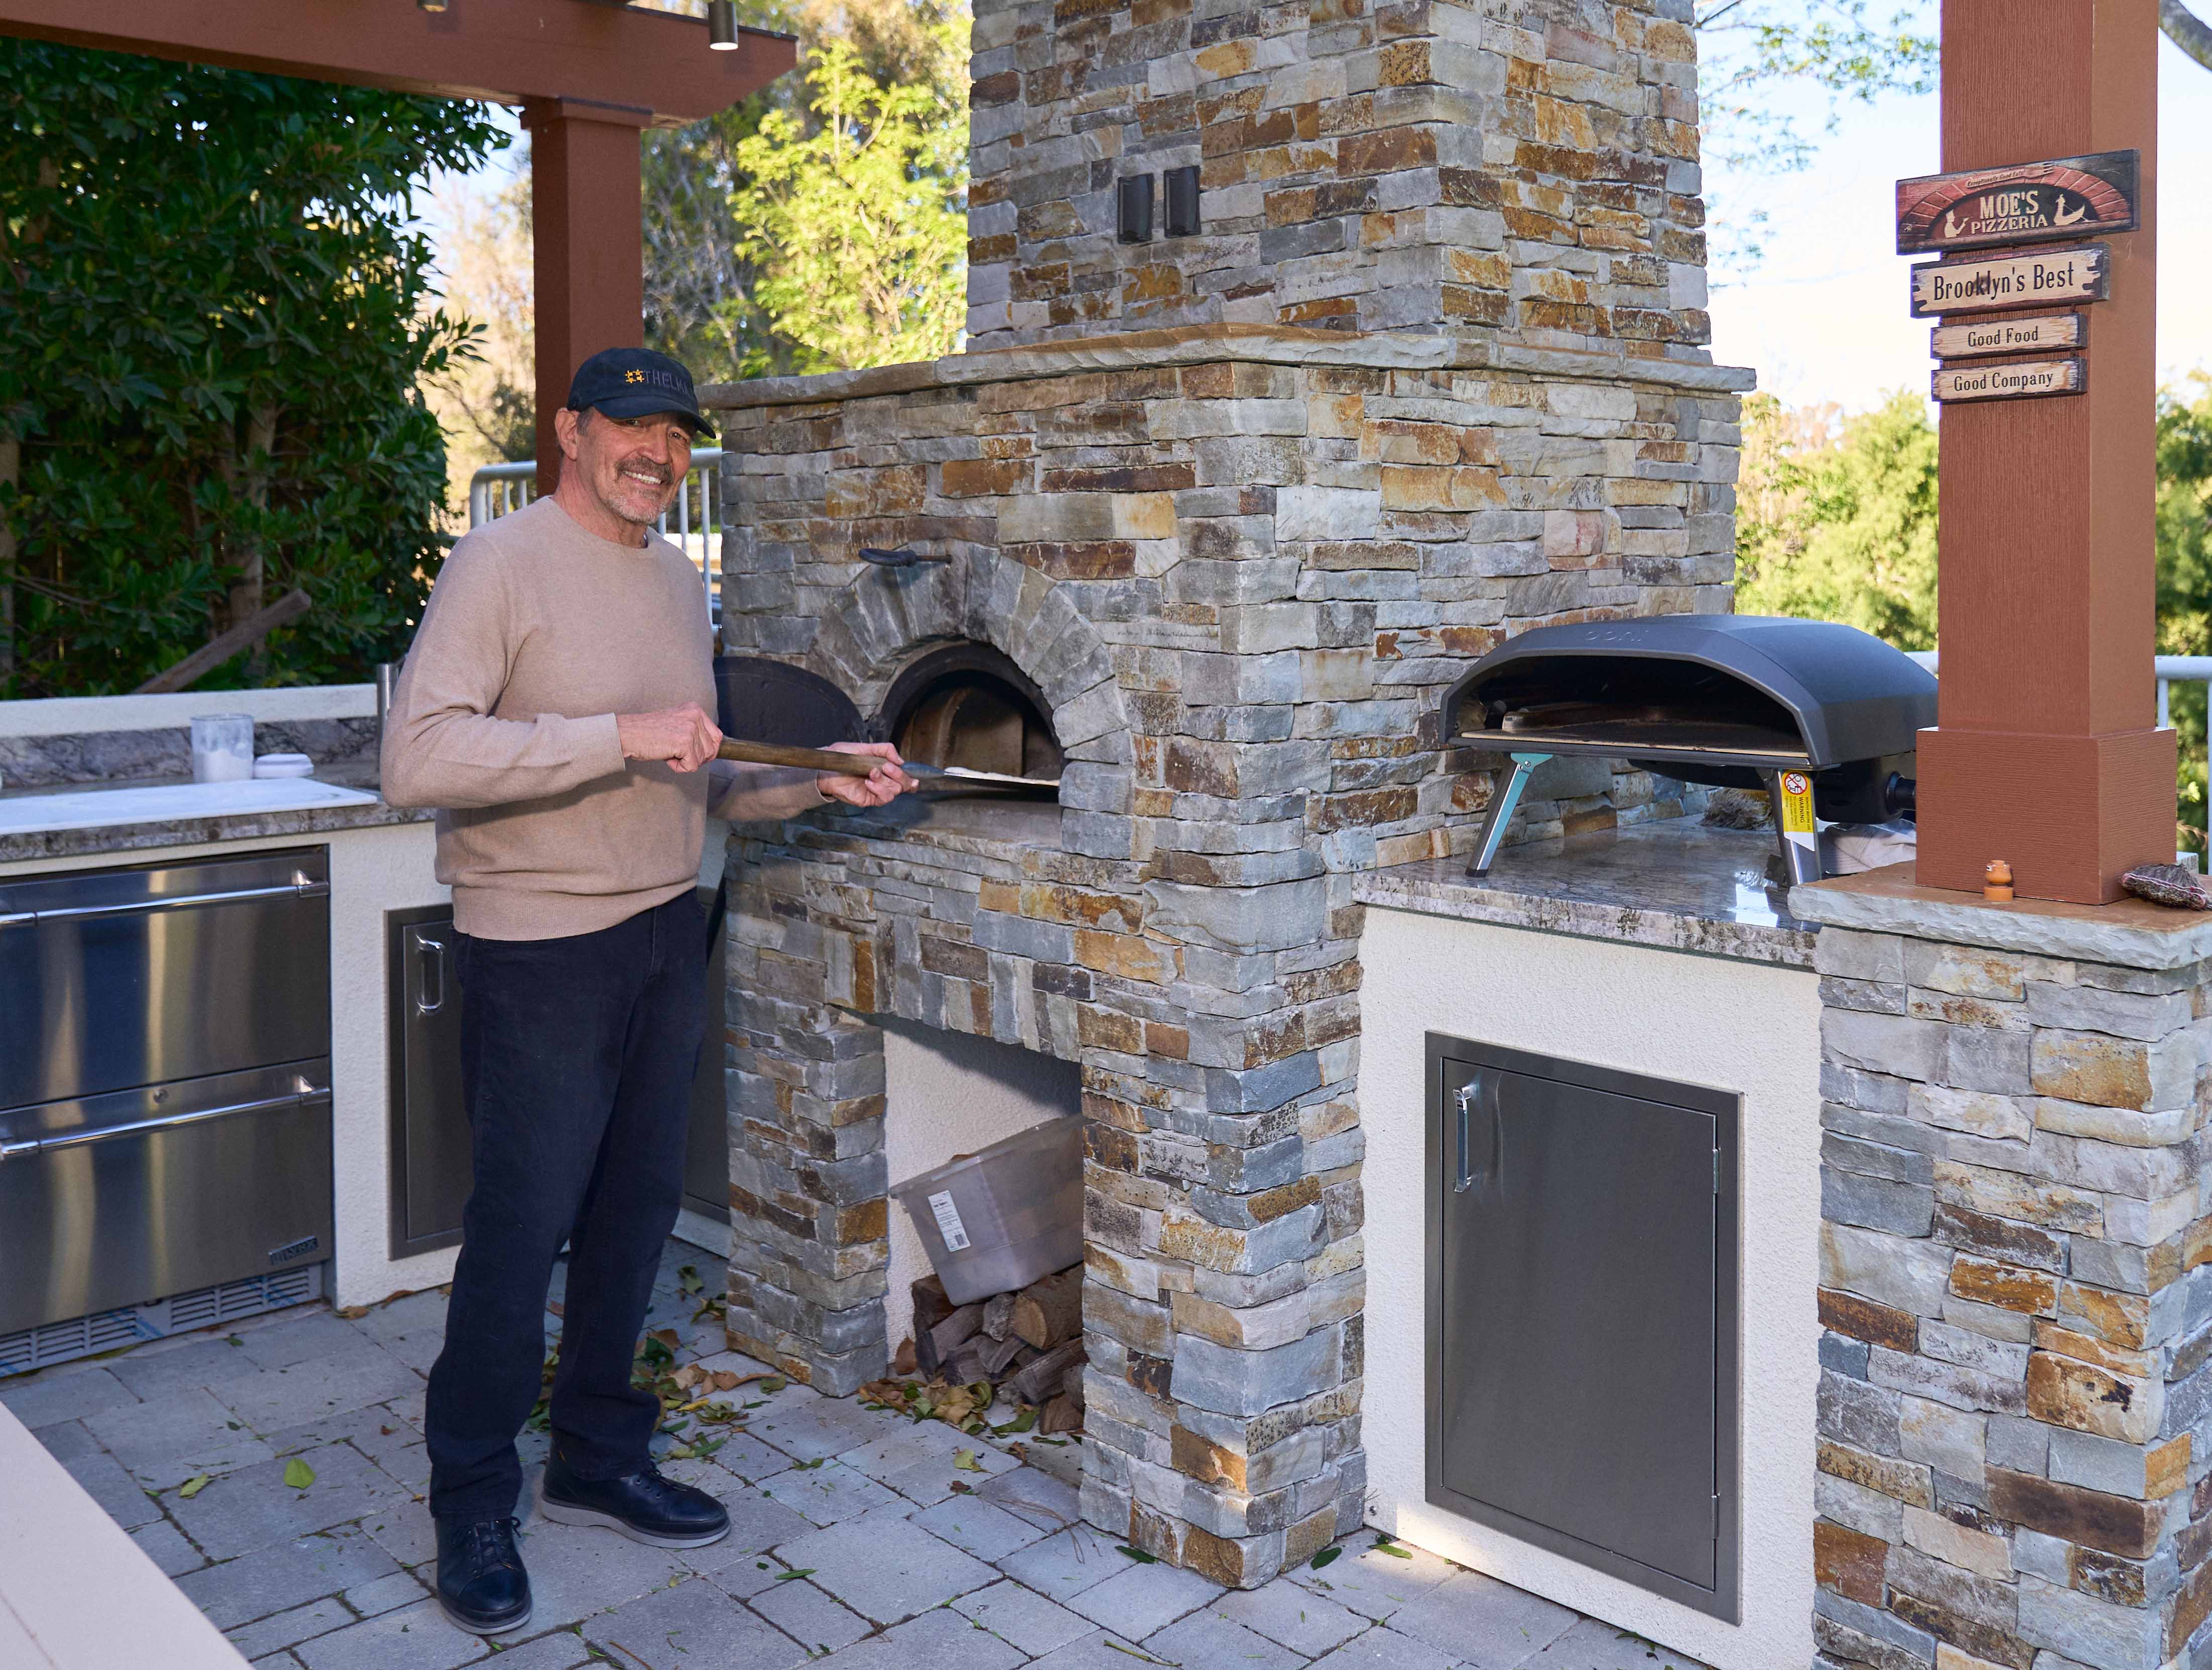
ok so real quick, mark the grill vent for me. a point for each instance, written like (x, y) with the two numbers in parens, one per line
(88, 1336)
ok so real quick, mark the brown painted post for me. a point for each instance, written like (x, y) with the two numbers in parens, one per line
(2044, 753)
(589, 255)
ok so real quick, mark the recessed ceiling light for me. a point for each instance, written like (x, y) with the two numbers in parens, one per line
(430, 5)
(722, 25)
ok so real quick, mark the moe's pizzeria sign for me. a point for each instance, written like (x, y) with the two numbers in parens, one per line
(2076, 197)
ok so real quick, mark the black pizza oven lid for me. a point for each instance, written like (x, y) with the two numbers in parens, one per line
(758, 700)
(1850, 696)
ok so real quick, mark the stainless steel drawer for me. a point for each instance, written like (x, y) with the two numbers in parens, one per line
(114, 1200)
(112, 978)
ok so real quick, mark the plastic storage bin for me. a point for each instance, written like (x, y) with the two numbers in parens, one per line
(1003, 1217)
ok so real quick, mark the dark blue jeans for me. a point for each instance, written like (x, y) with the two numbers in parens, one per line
(577, 1057)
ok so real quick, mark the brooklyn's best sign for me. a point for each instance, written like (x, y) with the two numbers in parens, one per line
(1991, 283)
(2029, 203)
(2023, 380)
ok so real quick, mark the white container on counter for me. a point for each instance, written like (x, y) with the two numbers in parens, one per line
(223, 748)
(284, 765)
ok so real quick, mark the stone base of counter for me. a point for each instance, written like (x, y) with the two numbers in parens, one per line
(2017, 1388)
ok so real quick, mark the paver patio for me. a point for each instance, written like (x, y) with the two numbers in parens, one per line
(853, 1545)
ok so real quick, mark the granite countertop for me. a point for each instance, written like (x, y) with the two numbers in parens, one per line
(30, 846)
(1672, 884)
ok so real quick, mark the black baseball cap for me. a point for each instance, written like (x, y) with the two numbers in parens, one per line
(637, 382)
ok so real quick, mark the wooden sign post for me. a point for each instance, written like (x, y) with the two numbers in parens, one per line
(2045, 753)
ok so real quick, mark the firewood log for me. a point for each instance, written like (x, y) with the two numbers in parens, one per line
(1042, 1378)
(930, 1306)
(999, 1314)
(1062, 1414)
(905, 1360)
(965, 1366)
(999, 1355)
(956, 1330)
(1049, 1312)
(1072, 1385)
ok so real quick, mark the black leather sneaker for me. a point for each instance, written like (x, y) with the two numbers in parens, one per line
(481, 1582)
(642, 1504)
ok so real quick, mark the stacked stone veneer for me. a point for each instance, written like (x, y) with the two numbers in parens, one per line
(1238, 567)
(1495, 168)
(2013, 1453)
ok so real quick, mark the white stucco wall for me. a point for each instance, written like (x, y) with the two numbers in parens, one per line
(373, 870)
(1749, 1028)
(946, 1093)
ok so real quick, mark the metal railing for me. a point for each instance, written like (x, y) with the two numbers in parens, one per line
(499, 488)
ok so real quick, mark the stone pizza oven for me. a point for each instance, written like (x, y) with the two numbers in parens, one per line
(1222, 511)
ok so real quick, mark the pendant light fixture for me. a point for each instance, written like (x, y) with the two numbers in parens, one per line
(430, 5)
(722, 25)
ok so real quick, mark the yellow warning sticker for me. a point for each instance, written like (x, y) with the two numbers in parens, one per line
(1796, 803)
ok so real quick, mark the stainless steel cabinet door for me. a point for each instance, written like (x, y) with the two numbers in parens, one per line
(431, 1166)
(1576, 1357)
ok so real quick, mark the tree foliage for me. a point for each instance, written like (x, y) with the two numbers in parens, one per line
(2184, 569)
(211, 333)
(856, 220)
(821, 224)
(1836, 517)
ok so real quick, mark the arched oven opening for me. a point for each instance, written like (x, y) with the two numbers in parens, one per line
(968, 705)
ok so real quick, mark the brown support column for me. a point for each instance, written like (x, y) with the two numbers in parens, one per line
(589, 259)
(2046, 754)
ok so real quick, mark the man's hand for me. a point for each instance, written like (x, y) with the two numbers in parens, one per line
(685, 736)
(880, 787)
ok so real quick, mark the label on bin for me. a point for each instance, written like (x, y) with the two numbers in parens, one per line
(948, 1223)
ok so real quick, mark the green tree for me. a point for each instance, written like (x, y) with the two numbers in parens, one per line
(212, 332)
(2185, 573)
(854, 215)
(1836, 520)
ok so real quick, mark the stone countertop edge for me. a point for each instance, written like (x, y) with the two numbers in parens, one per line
(37, 844)
(2130, 933)
(1201, 344)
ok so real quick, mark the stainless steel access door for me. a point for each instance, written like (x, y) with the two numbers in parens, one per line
(114, 1200)
(431, 1165)
(1582, 1315)
(115, 978)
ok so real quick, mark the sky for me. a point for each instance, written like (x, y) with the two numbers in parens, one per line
(1822, 316)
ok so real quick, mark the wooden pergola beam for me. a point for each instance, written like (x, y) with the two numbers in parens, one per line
(505, 51)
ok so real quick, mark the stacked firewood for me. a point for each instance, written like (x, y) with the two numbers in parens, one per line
(1027, 1343)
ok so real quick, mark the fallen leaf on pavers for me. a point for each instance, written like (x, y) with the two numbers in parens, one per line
(688, 1279)
(800, 1572)
(1385, 1545)
(1327, 1557)
(353, 1312)
(1137, 1554)
(557, 1309)
(773, 1384)
(960, 1488)
(193, 1486)
(668, 1337)
(1174, 1663)
(689, 1375)
(728, 1380)
(963, 1460)
(298, 1475)
(1019, 1452)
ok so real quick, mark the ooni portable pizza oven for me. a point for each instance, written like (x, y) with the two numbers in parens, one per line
(1821, 716)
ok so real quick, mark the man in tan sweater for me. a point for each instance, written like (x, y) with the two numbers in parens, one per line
(555, 708)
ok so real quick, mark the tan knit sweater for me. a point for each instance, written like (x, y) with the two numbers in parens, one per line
(536, 635)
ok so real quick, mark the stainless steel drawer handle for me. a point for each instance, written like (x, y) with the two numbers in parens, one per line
(434, 957)
(300, 889)
(305, 1097)
(1485, 1088)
